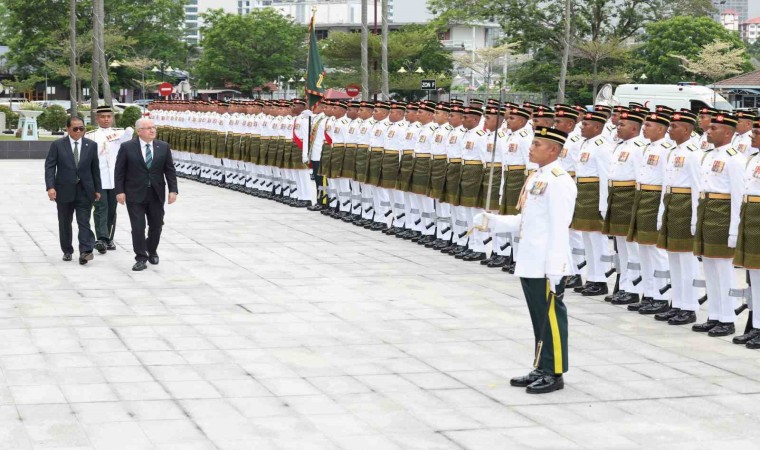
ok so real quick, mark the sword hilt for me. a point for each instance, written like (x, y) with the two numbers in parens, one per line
(665, 288)
(582, 265)
(637, 281)
(702, 299)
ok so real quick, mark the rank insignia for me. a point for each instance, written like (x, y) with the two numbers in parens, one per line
(653, 160)
(717, 166)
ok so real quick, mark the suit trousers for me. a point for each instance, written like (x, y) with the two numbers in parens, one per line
(83, 208)
(105, 215)
(548, 314)
(152, 209)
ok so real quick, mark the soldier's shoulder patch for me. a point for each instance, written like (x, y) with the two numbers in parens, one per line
(599, 141)
(523, 133)
(731, 152)
(667, 145)
(448, 127)
(694, 134)
(692, 147)
(480, 133)
(639, 143)
(501, 134)
(417, 125)
(575, 138)
(558, 171)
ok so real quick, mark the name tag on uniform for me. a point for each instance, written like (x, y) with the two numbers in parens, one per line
(512, 148)
(678, 161)
(298, 126)
(469, 145)
(378, 132)
(653, 160)
(438, 138)
(717, 166)
(623, 157)
(538, 188)
(584, 157)
(563, 153)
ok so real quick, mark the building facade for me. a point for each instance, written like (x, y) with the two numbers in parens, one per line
(750, 30)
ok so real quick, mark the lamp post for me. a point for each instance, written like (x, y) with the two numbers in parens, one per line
(290, 80)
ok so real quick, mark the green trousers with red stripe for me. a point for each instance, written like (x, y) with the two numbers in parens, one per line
(549, 316)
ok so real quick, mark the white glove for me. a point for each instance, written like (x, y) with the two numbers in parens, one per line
(554, 281)
(659, 224)
(480, 218)
(603, 213)
(693, 229)
(732, 241)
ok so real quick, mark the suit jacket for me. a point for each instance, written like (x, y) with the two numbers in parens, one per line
(61, 172)
(132, 176)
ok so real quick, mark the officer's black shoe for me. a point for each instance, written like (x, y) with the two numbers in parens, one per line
(722, 329)
(580, 289)
(100, 246)
(546, 384)
(499, 261)
(463, 253)
(526, 380)
(615, 295)
(85, 257)
(379, 226)
(705, 327)
(409, 235)
(573, 281)
(645, 301)
(454, 249)
(67, 256)
(626, 298)
(509, 268)
(326, 211)
(440, 244)
(110, 245)
(665, 316)
(754, 344)
(417, 237)
(475, 256)
(139, 266)
(488, 260)
(595, 289)
(428, 240)
(657, 306)
(348, 218)
(746, 337)
(683, 318)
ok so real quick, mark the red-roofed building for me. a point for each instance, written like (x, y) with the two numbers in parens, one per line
(729, 18)
(750, 30)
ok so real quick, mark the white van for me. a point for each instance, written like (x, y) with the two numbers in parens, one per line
(677, 96)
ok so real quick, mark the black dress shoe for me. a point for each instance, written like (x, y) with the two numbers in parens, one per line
(546, 384)
(722, 329)
(153, 259)
(754, 344)
(139, 265)
(463, 253)
(67, 257)
(645, 301)
(746, 337)
(574, 281)
(509, 268)
(475, 256)
(580, 289)
(110, 245)
(657, 306)
(84, 258)
(499, 261)
(705, 327)
(488, 260)
(683, 318)
(626, 298)
(526, 380)
(595, 289)
(100, 246)
(665, 316)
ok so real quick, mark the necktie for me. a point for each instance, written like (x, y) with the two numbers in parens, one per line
(76, 153)
(148, 156)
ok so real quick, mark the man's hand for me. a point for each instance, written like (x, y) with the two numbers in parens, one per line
(121, 198)
(694, 229)
(172, 197)
(659, 224)
(554, 281)
(52, 194)
(97, 196)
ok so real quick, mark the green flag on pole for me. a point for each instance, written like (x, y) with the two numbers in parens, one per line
(315, 71)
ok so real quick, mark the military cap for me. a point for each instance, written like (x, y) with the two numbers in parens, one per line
(413, 106)
(517, 111)
(568, 113)
(354, 104)
(457, 102)
(632, 105)
(492, 110)
(427, 107)
(472, 111)
(475, 103)
(633, 116)
(707, 111)
(662, 119)
(341, 104)
(382, 105)
(443, 107)
(103, 109)
(544, 113)
(603, 108)
(551, 134)
(299, 101)
(724, 118)
(398, 105)
(595, 117)
(746, 115)
(685, 117)
(662, 109)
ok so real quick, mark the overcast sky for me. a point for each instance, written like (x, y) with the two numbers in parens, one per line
(754, 8)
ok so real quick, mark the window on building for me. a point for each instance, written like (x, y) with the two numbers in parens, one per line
(191, 17)
(191, 9)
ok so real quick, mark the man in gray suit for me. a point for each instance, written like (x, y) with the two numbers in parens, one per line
(72, 180)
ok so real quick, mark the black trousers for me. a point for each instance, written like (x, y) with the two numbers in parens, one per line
(549, 316)
(83, 208)
(152, 209)
(105, 215)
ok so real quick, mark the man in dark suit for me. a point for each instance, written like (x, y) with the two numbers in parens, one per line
(72, 179)
(144, 167)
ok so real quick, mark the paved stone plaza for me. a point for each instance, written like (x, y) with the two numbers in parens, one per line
(266, 327)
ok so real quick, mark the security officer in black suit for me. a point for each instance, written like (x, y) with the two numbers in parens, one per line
(72, 180)
(143, 169)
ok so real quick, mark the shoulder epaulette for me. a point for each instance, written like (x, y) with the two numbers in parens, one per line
(501, 134)
(448, 127)
(694, 133)
(558, 171)
(692, 147)
(599, 141)
(731, 152)
(523, 133)
(480, 133)
(667, 145)
(639, 143)
(575, 138)
(417, 125)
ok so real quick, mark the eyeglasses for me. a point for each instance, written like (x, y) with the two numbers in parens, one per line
(77, 128)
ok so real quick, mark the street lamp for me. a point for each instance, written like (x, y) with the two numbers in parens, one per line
(403, 70)
(290, 80)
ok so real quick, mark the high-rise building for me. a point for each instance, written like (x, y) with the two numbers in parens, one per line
(194, 9)
(740, 7)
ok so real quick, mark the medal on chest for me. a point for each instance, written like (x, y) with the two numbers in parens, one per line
(409, 136)
(623, 157)
(489, 148)
(705, 145)
(391, 133)
(678, 161)
(652, 160)
(717, 166)
(563, 153)
(438, 138)
(453, 140)
(351, 130)
(585, 156)
(512, 148)
(538, 188)
(756, 173)
(423, 138)
(469, 145)
(378, 132)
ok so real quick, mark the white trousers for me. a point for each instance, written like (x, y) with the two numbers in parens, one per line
(595, 244)
(444, 220)
(719, 279)
(684, 269)
(653, 260)
(628, 253)
(754, 279)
